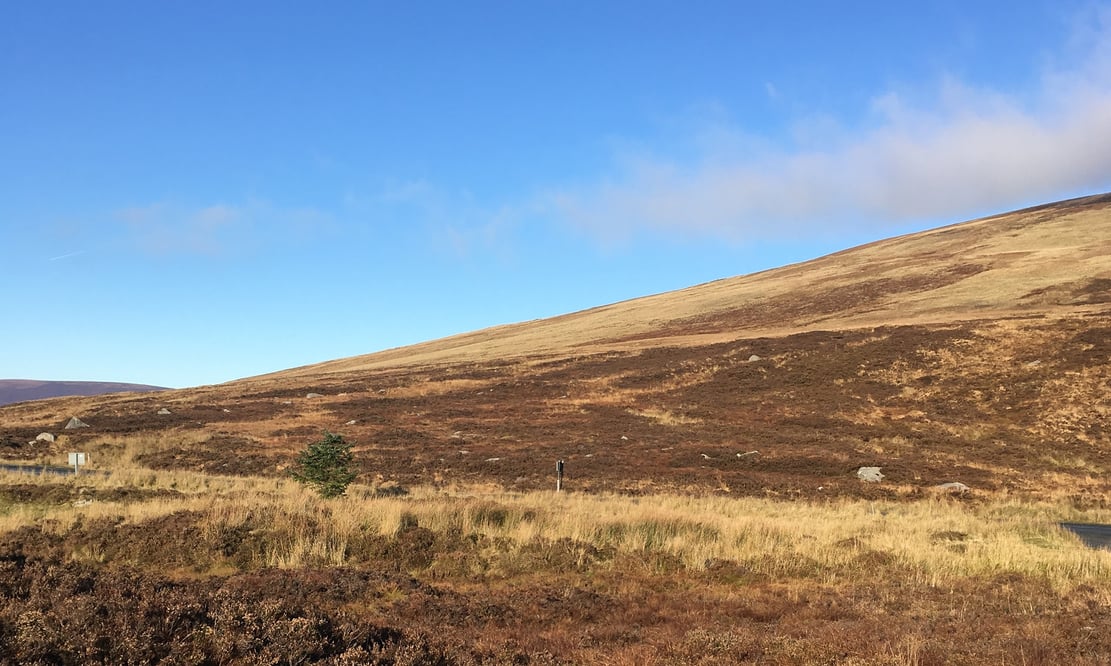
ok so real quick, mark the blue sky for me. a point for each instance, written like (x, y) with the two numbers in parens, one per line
(193, 192)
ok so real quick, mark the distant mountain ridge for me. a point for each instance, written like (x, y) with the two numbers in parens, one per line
(21, 390)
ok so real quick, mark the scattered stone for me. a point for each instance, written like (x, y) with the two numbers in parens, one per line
(754, 358)
(82, 502)
(45, 437)
(163, 412)
(1033, 364)
(869, 474)
(287, 402)
(313, 395)
(623, 437)
(492, 459)
(227, 411)
(953, 488)
(75, 423)
(747, 453)
(352, 422)
(706, 457)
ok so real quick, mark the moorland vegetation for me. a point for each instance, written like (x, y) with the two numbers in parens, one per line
(140, 565)
(712, 515)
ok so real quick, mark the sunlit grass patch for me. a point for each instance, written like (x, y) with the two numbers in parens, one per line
(932, 540)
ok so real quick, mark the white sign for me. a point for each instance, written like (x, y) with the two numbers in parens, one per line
(77, 459)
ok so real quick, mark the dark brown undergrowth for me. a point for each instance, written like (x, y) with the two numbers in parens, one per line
(61, 493)
(77, 613)
(70, 613)
(116, 593)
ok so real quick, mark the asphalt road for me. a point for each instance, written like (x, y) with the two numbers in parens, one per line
(38, 469)
(1093, 536)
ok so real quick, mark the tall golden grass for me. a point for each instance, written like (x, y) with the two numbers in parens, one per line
(933, 540)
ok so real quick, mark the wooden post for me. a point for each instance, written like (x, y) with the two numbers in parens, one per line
(559, 476)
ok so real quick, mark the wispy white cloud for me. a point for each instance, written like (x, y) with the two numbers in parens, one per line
(217, 229)
(450, 222)
(963, 149)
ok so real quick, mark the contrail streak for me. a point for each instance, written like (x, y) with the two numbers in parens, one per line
(66, 256)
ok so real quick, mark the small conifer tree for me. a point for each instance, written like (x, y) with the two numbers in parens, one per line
(326, 466)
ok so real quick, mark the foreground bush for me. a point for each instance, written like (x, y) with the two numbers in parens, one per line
(326, 466)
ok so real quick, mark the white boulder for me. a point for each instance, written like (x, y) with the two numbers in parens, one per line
(869, 474)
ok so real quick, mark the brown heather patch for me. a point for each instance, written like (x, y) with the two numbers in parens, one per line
(233, 572)
(1003, 405)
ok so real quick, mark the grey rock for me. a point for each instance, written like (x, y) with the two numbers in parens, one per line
(754, 358)
(45, 437)
(313, 395)
(164, 412)
(75, 423)
(869, 474)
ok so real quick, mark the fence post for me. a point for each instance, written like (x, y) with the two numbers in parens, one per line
(559, 476)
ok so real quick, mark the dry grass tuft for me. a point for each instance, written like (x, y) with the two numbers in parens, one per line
(665, 417)
(828, 541)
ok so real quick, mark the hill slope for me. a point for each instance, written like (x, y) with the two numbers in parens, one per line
(1054, 258)
(977, 353)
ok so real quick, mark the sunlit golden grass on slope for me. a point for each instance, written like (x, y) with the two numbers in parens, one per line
(1043, 260)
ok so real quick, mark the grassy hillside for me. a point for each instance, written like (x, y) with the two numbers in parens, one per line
(1052, 259)
(978, 353)
(713, 514)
